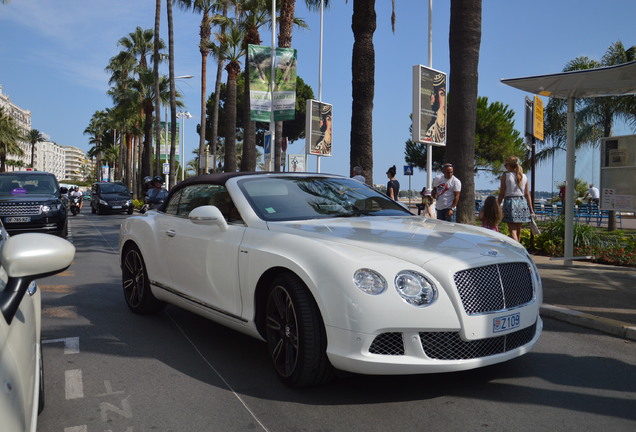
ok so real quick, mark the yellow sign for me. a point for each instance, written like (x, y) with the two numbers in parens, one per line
(538, 119)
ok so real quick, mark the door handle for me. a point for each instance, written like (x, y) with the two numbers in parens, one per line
(171, 233)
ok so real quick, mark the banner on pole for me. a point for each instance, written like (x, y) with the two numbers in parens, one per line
(429, 106)
(259, 64)
(318, 128)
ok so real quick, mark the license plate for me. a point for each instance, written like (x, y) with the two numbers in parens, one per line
(506, 322)
(17, 219)
(116, 207)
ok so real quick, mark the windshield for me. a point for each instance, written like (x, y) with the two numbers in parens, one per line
(113, 188)
(23, 185)
(300, 198)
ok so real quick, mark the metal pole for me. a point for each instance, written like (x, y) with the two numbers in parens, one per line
(429, 147)
(568, 249)
(322, 12)
(182, 147)
(272, 123)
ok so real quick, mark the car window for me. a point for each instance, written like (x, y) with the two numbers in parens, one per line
(27, 184)
(191, 197)
(299, 198)
(107, 188)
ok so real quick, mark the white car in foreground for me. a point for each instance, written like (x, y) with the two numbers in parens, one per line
(332, 274)
(24, 258)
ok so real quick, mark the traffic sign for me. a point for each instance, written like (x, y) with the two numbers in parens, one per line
(408, 170)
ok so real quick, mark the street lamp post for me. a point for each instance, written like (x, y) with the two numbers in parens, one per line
(183, 115)
(166, 144)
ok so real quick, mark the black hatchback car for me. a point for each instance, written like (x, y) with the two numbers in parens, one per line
(111, 198)
(32, 201)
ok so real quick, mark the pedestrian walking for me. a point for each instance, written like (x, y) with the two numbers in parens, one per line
(393, 186)
(514, 193)
(446, 190)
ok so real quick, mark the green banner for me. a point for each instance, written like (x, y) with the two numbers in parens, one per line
(259, 64)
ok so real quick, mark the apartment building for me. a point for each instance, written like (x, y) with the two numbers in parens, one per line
(66, 162)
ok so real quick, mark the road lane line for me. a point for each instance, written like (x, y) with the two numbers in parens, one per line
(74, 387)
(71, 345)
(236, 395)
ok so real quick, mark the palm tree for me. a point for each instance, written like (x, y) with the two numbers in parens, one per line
(363, 24)
(234, 51)
(96, 130)
(595, 117)
(464, 42)
(217, 51)
(205, 8)
(34, 137)
(253, 15)
(155, 69)
(10, 136)
(173, 96)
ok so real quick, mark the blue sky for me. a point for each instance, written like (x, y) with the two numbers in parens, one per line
(53, 55)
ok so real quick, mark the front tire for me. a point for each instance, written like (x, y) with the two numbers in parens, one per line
(136, 285)
(295, 333)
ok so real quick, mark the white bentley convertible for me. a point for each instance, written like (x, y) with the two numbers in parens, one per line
(332, 274)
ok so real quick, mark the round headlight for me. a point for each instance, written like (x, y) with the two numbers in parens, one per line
(415, 288)
(369, 281)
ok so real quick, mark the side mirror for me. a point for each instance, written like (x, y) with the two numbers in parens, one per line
(208, 215)
(27, 257)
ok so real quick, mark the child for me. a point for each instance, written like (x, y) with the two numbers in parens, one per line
(490, 214)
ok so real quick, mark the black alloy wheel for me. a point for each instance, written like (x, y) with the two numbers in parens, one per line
(136, 285)
(295, 334)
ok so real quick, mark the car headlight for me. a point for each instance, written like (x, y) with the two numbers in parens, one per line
(415, 288)
(369, 281)
(102, 202)
(50, 207)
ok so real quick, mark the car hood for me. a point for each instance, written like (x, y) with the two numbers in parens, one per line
(114, 196)
(411, 238)
(27, 197)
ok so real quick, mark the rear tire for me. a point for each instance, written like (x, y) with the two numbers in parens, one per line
(295, 334)
(136, 285)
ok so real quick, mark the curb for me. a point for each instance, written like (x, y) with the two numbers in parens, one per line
(606, 325)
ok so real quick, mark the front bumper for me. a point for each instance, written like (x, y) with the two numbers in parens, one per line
(415, 352)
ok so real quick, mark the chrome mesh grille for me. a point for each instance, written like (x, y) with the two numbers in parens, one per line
(495, 287)
(450, 346)
(388, 344)
(20, 209)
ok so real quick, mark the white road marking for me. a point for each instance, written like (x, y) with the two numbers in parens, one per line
(74, 387)
(218, 374)
(71, 345)
(82, 428)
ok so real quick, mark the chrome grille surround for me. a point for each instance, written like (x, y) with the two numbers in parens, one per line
(20, 209)
(494, 287)
(388, 344)
(450, 345)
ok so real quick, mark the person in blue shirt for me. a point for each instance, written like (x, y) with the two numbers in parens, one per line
(157, 194)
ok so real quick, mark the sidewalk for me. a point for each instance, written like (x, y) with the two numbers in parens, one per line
(595, 296)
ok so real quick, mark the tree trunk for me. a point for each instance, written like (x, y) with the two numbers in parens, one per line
(173, 98)
(205, 39)
(230, 121)
(248, 161)
(464, 42)
(363, 25)
(157, 101)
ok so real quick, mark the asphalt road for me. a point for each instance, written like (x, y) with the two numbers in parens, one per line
(107, 369)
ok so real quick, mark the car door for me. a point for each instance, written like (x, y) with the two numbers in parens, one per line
(202, 259)
(19, 362)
